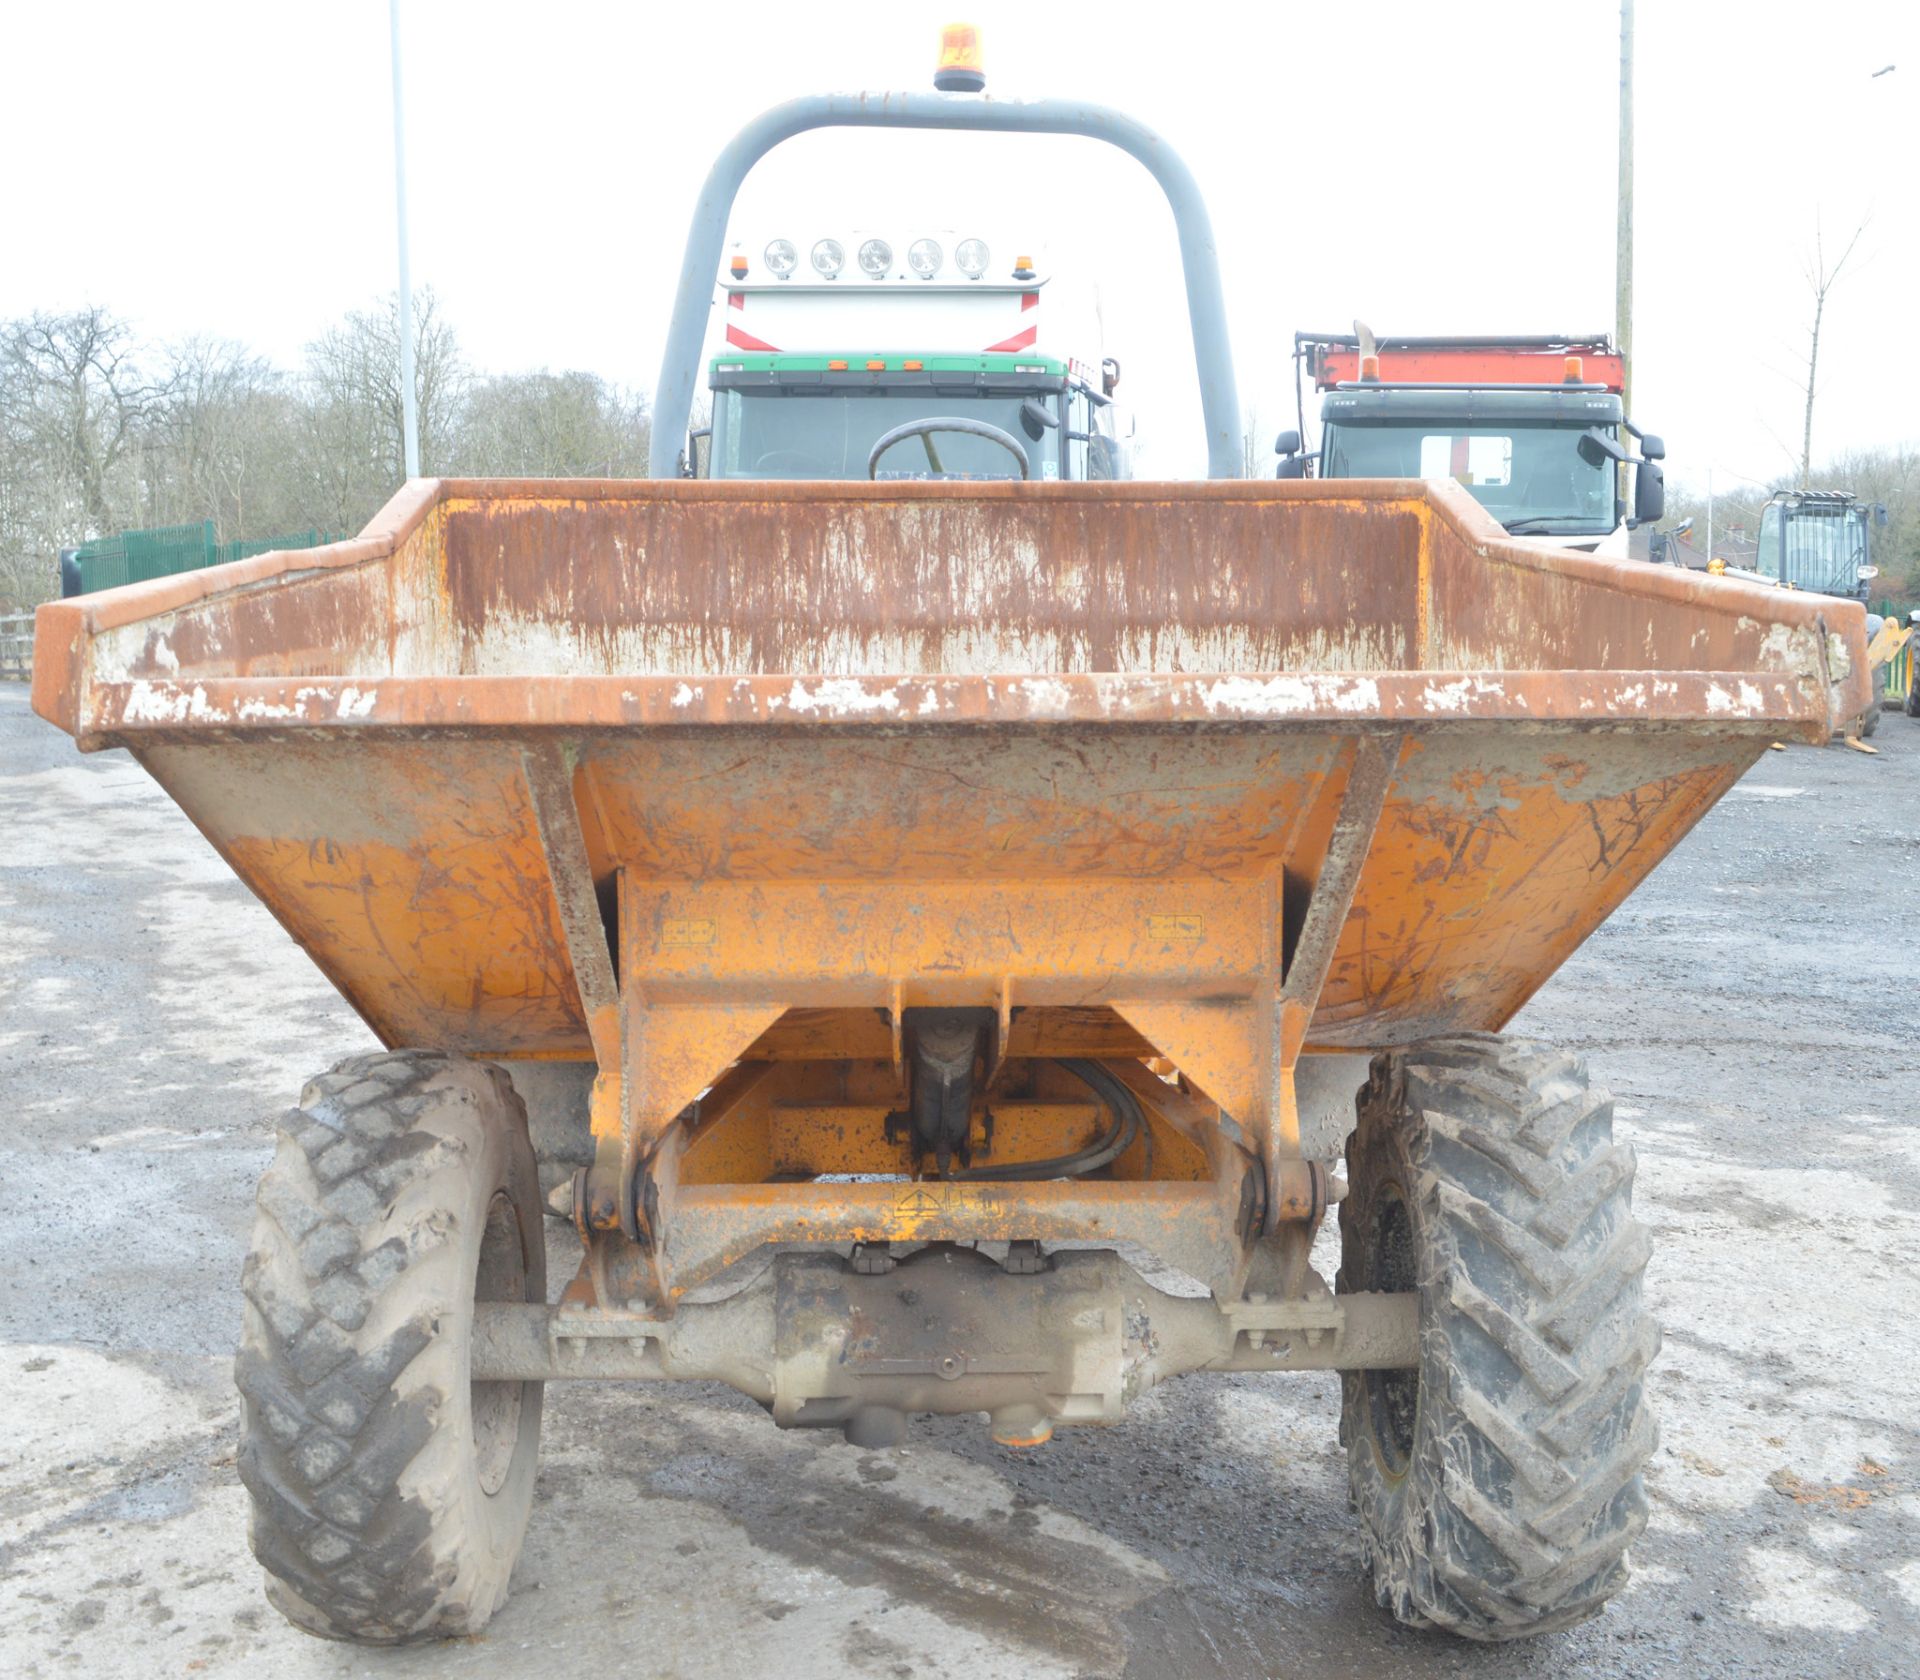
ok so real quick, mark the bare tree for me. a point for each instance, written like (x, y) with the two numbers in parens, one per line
(552, 425)
(1821, 280)
(1256, 446)
(100, 433)
(355, 452)
(225, 445)
(1888, 475)
(77, 393)
(74, 406)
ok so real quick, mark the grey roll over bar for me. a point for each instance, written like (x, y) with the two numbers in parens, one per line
(706, 238)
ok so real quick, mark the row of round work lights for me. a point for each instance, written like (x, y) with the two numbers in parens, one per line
(875, 259)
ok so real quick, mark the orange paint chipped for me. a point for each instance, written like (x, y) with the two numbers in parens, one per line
(807, 756)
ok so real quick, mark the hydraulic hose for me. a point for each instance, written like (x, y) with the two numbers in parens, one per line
(1126, 1124)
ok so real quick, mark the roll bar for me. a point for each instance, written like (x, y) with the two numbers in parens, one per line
(706, 238)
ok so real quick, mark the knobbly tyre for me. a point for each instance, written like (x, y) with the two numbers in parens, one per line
(880, 845)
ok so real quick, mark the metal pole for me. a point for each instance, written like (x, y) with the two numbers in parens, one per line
(409, 404)
(1709, 513)
(1623, 215)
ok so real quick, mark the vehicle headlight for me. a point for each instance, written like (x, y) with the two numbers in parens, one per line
(971, 257)
(876, 257)
(780, 257)
(924, 256)
(829, 257)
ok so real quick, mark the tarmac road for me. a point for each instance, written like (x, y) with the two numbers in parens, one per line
(1756, 1010)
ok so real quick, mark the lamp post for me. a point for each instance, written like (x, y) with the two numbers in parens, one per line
(1623, 215)
(409, 404)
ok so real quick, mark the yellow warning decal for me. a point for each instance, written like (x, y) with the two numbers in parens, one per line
(1170, 929)
(687, 933)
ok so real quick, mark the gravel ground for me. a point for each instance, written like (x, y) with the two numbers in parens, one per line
(1753, 1008)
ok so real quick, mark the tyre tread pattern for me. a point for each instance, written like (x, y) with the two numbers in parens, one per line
(344, 1286)
(1523, 1492)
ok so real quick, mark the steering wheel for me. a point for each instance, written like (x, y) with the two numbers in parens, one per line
(785, 460)
(924, 430)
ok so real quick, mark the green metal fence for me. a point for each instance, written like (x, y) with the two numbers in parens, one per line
(136, 556)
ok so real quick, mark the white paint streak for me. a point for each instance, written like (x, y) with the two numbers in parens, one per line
(1275, 696)
(1045, 694)
(158, 703)
(841, 697)
(163, 703)
(1456, 696)
(264, 711)
(1786, 648)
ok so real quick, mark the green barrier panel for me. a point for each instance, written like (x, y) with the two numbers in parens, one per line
(163, 550)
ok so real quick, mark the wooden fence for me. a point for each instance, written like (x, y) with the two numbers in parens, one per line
(16, 646)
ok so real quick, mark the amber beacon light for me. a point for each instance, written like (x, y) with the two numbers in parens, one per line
(960, 70)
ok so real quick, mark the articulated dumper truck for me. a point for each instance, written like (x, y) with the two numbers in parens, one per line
(959, 890)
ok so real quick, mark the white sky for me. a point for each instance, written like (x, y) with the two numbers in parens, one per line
(205, 166)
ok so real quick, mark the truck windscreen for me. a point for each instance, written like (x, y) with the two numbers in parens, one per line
(813, 434)
(1531, 475)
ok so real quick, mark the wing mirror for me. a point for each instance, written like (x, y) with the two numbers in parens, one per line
(1649, 493)
(1036, 417)
(698, 460)
(1596, 448)
(1293, 464)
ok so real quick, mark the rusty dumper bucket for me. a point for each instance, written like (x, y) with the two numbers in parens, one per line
(1030, 867)
(1229, 773)
(1179, 766)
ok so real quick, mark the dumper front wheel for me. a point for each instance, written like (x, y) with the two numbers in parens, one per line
(1499, 1483)
(390, 1492)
